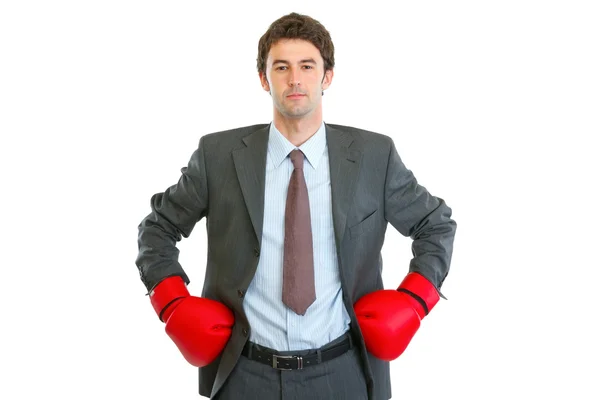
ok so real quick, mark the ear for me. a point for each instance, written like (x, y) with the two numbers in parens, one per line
(264, 82)
(327, 79)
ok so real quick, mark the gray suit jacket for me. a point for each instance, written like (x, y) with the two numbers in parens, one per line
(225, 182)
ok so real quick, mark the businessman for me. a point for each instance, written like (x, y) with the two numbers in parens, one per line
(293, 304)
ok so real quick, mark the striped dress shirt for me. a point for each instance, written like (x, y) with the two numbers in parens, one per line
(273, 324)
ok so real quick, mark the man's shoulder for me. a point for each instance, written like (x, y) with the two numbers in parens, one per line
(363, 135)
(234, 133)
(228, 140)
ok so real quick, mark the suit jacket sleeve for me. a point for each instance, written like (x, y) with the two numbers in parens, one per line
(426, 219)
(174, 214)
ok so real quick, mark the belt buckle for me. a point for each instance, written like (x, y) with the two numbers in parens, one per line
(275, 357)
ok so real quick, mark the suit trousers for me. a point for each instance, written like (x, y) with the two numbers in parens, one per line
(339, 378)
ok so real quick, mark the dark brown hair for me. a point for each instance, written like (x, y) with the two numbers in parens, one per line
(296, 26)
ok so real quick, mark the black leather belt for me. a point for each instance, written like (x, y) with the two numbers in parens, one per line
(290, 362)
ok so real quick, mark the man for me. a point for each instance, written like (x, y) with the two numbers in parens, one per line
(293, 304)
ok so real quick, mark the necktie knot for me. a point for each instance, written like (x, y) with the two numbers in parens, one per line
(297, 159)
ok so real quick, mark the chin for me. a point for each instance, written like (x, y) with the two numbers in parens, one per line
(297, 115)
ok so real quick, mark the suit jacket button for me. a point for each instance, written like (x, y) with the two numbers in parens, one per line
(256, 252)
(245, 332)
(240, 293)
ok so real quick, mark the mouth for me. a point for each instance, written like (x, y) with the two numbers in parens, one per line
(295, 96)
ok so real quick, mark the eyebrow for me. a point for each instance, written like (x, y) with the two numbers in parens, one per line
(306, 60)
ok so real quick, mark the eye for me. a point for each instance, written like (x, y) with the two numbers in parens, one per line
(308, 66)
(280, 68)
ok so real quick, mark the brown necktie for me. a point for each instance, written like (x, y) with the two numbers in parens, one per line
(298, 270)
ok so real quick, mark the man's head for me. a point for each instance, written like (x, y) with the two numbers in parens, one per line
(296, 56)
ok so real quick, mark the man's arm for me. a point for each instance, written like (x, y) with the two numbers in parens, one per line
(174, 214)
(199, 327)
(426, 219)
(389, 319)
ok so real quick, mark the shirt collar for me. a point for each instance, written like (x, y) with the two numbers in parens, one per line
(279, 147)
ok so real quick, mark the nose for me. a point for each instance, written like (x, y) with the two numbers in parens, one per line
(294, 77)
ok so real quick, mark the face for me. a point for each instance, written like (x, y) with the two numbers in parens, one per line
(295, 76)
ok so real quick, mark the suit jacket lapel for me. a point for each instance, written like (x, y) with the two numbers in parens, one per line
(250, 165)
(344, 164)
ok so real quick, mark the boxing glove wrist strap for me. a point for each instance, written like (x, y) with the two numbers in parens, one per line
(418, 287)
(417, 299)
(166, 292)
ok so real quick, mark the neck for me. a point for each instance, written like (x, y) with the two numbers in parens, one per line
(298, 130)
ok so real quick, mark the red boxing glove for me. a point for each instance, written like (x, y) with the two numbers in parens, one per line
(389, 319)
(199, 327)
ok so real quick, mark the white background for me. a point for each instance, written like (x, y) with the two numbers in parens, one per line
(493, 105)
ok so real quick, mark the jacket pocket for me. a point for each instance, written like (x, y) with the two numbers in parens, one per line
(364, 226)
